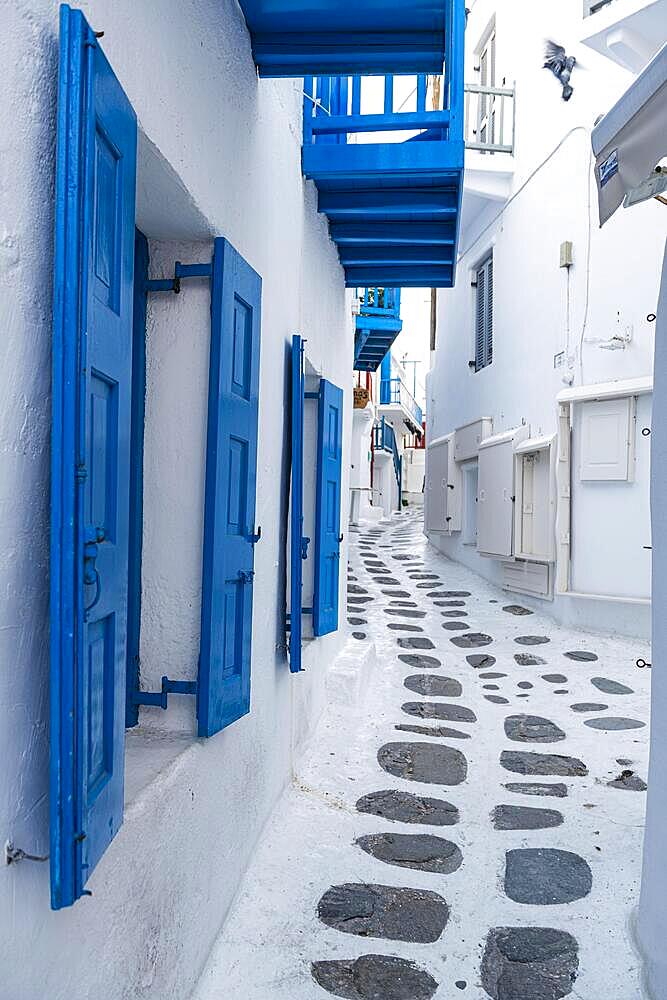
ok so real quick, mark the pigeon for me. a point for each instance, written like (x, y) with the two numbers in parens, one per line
(561, 66)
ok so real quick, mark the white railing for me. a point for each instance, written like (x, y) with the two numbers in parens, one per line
(489, 118)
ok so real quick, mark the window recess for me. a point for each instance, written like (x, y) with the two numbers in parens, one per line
(313, 568)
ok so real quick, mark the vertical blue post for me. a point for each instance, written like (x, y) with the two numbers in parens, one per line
(421, 92)
(356, 95)
(308, 93)
(385, 380)
(388, 95)
(456, 56)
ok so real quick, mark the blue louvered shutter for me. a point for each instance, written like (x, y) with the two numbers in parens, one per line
(298, 544)
(489, 311)
(90, 456)
(327, 508)
(230, 492)
(484, 315)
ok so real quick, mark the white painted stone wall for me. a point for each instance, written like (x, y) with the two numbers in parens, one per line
(613, 286)
(219, 155)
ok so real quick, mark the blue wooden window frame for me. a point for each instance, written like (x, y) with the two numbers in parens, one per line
(298, 543)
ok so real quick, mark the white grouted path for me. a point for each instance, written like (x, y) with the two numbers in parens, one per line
(451, 830)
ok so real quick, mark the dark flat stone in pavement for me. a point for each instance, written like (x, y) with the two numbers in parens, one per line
(532, 640)
(384, 911)
(433, 684)
(353, 588)
(527, 762)
(358, 635)
(402, 556)
(439, 710)
(532, 729)
(419, 660)
(609, 724)
(422, 851)
(492, 675)
(427, 762)
(472, 641)
(610, 687)
(396, 593)
(404, 627)
(449, 593)
(491, 687)
(556, 789)
(454, 614)
(589, 706)
(374, 977)
(416, 643)
(424, 576)
(478, 660)
(517, 609)
(630, 781)
(496, 699)
(507, 817)
(529, 660)
(387, 581)
(555, 678)
(442, 732)
(524, 684)
(358, 600)
(404, 604)
(405, 612)
(583, 655)
(450, 604)
(529, 963)
(545, 876)
(404, 807)
(357, 621)
(456, 626)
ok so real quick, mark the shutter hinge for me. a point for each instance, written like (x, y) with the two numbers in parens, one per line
(159, 698)
(181, 272)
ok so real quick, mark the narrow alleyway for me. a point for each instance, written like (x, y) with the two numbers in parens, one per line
(467, 820)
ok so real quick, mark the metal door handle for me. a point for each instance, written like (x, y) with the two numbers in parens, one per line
(91, 538)
(305, 542)
(243, 576)
(254, 537)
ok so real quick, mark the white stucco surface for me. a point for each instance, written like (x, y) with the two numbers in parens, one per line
(553, 326)
(219, 155)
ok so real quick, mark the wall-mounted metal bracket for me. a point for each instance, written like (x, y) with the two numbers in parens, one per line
(159, 698)
(181, 272)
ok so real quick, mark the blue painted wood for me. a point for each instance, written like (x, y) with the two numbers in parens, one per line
(136, 476)
(230, 492)
(298, 544)
(92, 374)
(327, 510)
(377, 325)
(338, 37)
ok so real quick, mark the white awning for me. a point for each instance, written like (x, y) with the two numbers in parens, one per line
(631, 139)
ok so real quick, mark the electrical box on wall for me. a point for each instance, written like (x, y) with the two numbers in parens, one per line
(495, 497)
(467, 439)
(535, 504)
(435, 491)
(607, 440)
(566, 254)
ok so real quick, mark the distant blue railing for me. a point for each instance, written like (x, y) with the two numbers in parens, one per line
(384, 439)
(380, 302)
(395, 391)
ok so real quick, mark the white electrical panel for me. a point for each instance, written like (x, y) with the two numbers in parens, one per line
(467, 439)
(527, 578)
(495, 494)
(454, 500)
(606, 439)
(535, 503)
(435, 491)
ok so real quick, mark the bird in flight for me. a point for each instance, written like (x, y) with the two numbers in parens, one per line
(561, 65)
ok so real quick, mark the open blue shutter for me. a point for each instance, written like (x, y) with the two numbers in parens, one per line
(92, 375)
(298, 544)
(230, 493)
(327, 518)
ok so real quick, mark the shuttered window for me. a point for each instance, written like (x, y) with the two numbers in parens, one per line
(484, 314)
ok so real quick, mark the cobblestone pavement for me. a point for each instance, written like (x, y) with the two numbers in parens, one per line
(467, 819)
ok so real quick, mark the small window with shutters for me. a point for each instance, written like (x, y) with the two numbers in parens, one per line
(484, 313)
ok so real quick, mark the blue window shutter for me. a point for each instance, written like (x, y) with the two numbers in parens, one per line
(328, 500)
(298, 544)
(90, 471)
(230, 492)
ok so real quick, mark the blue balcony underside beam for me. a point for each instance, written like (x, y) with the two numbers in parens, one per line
(393, 232)
(397, 164)
(404, 121)
(389, 204)
(382, 324)
(425, 254)
(400, 276)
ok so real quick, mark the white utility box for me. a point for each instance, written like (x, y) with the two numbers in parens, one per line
(535, 503)
(467, 439)
(435, 489)
(495, 494)
(607, 437)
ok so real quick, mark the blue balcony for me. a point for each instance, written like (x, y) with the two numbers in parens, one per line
(378, 325)
(393, 202)
(336, 37)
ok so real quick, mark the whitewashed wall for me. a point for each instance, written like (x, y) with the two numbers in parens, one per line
(612, 288)
(219, 155)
